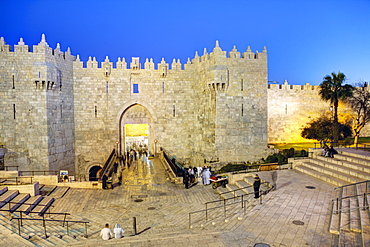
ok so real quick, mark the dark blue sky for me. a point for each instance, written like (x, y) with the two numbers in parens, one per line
(305, 39)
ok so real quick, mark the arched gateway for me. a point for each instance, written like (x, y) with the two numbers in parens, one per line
(136, 130)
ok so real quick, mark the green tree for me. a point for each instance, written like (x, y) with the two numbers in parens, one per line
(360, 104)
(321, 129)
(331, 89)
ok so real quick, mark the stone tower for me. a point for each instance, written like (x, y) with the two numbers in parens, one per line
(37, 126)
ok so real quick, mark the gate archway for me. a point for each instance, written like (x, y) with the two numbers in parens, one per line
(136, 129)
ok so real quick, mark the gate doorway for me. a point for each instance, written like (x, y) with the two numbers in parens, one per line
(136, 137)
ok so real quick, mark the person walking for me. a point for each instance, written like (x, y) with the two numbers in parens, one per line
(206, 176)
(274, 179)
(256, 186)
(118, 231)
(106, 233)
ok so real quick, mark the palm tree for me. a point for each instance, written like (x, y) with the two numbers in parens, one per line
(331, 89)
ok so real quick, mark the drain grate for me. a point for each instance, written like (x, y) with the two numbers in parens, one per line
(298, 222)
(310, 187)
(138, 200)
(261, 245)
(151, 208)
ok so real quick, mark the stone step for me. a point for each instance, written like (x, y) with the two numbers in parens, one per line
(46, 190)
(348, 238)
(30, 204)
(335, 218)
(44, 205)
(247, 188)
(18, 201)
(362, 160)
(59, 192)
(352, 165)
(41, 241)
(7, 196)
(355, 213)
(331, 175)
(352, 169)
(319, 175)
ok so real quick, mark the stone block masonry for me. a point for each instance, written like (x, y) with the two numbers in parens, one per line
(59, 113)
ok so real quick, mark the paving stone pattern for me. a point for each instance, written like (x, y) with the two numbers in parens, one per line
(163, 214)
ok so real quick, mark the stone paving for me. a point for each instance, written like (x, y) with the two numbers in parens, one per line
(292, 215)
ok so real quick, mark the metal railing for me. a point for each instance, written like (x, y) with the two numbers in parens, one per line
(176, 167)
(6, 168)
(108, 163)
(63, 221)
(35, 173)
(339, 199)
(242, 201)
(16, 180)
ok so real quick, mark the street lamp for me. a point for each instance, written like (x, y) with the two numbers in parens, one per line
(155, 147)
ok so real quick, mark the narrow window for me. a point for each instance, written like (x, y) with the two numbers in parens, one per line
(13, 83)
(106, 87)
(48, 86)
(39, 74)
(286, 109)
(242, 109)
(13, 111)
(60, 83)
(136, 88)
(174, 110)
(162, 87)
(96, 111)
(61, 111)
(242, 85)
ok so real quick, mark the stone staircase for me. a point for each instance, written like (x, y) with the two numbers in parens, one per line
(32, 210)
(348, 166)
(350, 215)
(236, 200)
(349, 170)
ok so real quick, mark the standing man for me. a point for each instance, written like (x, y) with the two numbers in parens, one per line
(256, 186)
(104, 180)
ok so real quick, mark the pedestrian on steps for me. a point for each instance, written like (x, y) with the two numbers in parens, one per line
(256, 186)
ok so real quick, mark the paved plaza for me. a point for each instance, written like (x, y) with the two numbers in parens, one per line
(292, 215)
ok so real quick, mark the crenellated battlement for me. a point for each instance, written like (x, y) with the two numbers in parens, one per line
(41, 47)
(286, 87)
(217, 55)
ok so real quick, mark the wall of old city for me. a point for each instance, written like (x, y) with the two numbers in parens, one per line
(213, 109)
(60, 113)
(291, 107)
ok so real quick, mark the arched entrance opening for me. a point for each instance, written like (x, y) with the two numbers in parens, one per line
(136, 130)
(136, 137)
(94, 173)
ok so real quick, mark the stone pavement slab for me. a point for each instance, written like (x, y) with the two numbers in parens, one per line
(292, 215)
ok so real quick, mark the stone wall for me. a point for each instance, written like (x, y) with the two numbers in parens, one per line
(59, 113)
(291, 107)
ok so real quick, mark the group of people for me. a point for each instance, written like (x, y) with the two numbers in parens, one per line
(191, 174)
(329, 152)
(107, 234)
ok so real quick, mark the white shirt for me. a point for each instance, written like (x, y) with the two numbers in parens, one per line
(118, 232)
(106, 233)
